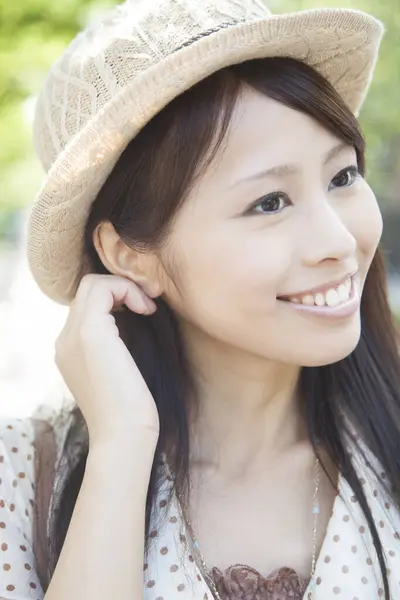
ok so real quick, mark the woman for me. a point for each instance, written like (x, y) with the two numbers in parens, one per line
(229, 344)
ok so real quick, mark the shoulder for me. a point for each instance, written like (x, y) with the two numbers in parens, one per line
(17, 474)
(17, 440)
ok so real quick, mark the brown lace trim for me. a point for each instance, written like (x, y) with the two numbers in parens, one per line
(241, 582)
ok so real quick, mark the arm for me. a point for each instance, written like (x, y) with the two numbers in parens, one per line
(103, 553)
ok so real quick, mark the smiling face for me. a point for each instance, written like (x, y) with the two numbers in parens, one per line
(281, 211)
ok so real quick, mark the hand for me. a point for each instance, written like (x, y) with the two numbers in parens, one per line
(96, 364)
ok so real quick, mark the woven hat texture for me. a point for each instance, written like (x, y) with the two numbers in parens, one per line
(124, 68)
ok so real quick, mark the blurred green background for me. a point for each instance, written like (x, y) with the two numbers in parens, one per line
(33, 33)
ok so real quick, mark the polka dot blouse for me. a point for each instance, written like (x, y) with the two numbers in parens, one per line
(347, 566)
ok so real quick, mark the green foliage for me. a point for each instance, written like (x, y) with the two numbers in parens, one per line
(33, 33)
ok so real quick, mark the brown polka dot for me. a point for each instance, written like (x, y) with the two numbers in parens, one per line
(153, 533)
(198, 578)
(336, 590)
(12, 507)
(397, 536)
(4, 547)
(21, 475)
(318, 582)
(345, 569)
(6, 567)
(375, 493)
(181, 587)
(14, 449)
(362, 529)
(23, 548)
(29, 457)
(2, 525)
(151, 583)
(1, 458)
(354, 549)
(32, 585)
(163, 503)
(173, 520)
(2, 503)
(392, 553)
(336, 538)
(364, 580)
(381, 524)
(15, 483)
(9, 426)
(327, 559)
(380, 592)
(387, 505)
(182, 538)
(26, 512)
(164, 550)
(191, 558)
(362, 481)
(369, 561)
(24, 435)
(354, 498)
(10, 588)
(174, 568)
(31, 502)
(145, 566)
(27, 567)
(346, 518)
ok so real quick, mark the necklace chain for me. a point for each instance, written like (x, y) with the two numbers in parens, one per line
(206, 571)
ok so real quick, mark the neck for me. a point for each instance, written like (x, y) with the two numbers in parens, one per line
(247, 410)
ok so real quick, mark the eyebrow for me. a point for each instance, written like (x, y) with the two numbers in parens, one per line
(290, 169)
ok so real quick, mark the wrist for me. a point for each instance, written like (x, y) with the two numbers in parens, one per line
(124, 443)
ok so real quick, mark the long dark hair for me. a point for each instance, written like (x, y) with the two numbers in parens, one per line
(140, 198)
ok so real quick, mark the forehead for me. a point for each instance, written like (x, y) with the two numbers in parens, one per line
(264, 133)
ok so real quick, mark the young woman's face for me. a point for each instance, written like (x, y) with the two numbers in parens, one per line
(280, 212)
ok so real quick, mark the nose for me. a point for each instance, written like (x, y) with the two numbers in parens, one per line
(326, 236)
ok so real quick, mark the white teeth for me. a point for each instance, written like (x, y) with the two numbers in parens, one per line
(308, 300)
(331, 297)
(344, 292)
(319, 299)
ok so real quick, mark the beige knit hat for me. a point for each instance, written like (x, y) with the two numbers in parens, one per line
(119, 72)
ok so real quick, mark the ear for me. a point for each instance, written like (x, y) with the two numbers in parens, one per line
(120, 259)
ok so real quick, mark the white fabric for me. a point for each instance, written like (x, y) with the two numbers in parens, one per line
(347, 566)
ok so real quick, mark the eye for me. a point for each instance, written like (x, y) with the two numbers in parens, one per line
(271, 204)
(346, 177)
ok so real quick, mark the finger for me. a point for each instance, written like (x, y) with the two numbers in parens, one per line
(105, 294)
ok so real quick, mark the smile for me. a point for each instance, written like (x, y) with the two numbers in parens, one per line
(339, 301)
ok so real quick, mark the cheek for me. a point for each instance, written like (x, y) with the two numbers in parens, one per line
(241, 274)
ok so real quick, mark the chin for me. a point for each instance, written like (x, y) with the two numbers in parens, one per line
(331, 351)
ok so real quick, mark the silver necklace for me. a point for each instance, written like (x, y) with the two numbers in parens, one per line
(206, 571)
